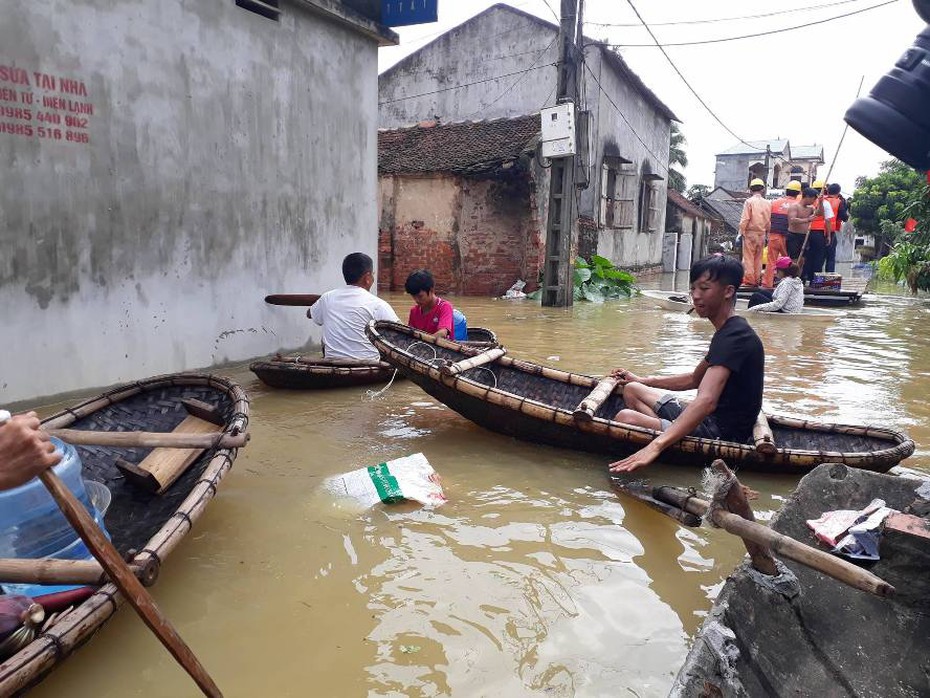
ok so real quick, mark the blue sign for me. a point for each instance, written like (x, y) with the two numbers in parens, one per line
(401, 13)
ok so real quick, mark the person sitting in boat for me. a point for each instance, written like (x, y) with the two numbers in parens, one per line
(788, 296)
(345, 312)
(25, 450)
(430, 313)
(728, 380)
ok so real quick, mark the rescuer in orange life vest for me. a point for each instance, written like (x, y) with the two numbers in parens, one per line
(754, 226)
(778, 233)
(820, 234)
(838, 204)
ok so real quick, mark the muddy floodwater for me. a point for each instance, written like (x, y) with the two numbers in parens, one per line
(534, 578)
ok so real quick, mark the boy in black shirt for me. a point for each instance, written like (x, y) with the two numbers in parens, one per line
(728, 380)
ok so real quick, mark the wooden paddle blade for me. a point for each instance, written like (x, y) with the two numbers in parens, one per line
(131, 588)
(303, 299)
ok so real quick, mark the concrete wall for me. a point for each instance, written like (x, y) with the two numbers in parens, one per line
(501, 42)
(612, 134)
(476, 236)
(227, 156)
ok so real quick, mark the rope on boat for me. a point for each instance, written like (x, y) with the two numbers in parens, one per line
(716, 486)
(482, 368)
(376, 394)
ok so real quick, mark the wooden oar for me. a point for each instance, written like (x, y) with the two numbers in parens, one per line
(761, 539)
(149, 439)
(131, 588)
(292, 298)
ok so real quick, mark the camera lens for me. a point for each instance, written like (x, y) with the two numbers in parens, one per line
(896, 113)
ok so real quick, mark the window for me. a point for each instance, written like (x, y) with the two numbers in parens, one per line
(618, 187)
(265, 8)
(649, 201)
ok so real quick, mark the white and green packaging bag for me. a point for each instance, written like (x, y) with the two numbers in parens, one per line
(408, 478)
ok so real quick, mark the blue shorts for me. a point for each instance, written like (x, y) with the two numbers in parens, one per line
(667, 409)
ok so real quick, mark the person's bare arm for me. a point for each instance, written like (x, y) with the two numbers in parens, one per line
(25, 450)
(709, 391)
(677, 383)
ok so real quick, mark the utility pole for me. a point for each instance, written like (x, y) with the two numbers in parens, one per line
(768, 157)
(558, 269)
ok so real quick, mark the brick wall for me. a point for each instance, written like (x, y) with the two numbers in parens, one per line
(477, 237)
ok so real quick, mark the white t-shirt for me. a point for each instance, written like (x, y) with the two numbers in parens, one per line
(343, 313)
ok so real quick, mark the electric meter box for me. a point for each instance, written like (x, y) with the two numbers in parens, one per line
(558, 131)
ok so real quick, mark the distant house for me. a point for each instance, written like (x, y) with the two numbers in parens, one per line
(727, 208)
(459, 199)
(688, 231)
(775, 162)
(501, 64)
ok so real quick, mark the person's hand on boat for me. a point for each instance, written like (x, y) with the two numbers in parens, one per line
(643, 457)
(25, 450)
(623, 376)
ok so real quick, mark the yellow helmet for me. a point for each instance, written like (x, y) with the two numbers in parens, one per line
(819, 184)
(793, 185)
(756, 183)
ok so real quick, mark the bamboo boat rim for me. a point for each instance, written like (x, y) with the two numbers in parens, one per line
(902, 448)
(50, 647)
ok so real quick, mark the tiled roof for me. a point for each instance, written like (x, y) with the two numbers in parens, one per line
(685, 205)
(777, 145)
(730, 211)
(465, 147)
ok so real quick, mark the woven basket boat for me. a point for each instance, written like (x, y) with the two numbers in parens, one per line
(137, 520)
(823, 297)
(536, 403)
(316, 373)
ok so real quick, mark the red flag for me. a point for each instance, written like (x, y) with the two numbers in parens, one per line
(910, 225)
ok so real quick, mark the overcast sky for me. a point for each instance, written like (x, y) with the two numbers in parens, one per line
(794, 85)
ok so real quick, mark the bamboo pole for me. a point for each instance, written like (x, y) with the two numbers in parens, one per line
(52, 571)
(597, 397)
(485, 357)
(752, 532)
(125, 580)
(762, 435)
(148, 439)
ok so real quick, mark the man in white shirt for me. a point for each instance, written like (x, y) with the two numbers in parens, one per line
(344, 312)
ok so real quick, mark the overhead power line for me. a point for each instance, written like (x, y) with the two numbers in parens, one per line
(750, 36)
(625, 120)
(683, 78)
(467, 84)
(518, 80)
(724, 19)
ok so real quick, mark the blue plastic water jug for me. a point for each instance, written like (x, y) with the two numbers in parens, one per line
(32, 526)
(459, 325)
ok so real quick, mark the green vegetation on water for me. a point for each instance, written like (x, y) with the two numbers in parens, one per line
(597, 281)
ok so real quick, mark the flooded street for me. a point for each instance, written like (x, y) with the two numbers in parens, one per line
(534, 578)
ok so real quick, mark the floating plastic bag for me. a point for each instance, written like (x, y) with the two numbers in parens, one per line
(408, 478)
(516, 291)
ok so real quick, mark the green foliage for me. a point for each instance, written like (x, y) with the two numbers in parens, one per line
(676, 156)
(597, 281)
(696, 192)
(909, 258)
(885, 197)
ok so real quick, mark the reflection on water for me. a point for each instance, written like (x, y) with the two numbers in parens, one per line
(534, 579)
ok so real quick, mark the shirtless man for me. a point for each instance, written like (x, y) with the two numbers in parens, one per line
(800, 214)
(25, 450)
